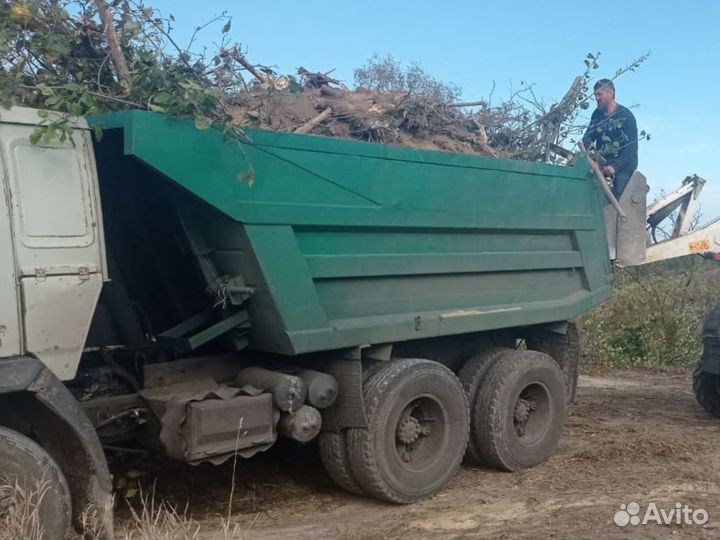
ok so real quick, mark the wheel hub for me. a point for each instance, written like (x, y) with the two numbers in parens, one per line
(523, 410)
(409, 430)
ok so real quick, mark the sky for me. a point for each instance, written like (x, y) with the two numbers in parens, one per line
(479, 45)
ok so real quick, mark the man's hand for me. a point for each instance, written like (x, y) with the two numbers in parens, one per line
(609, 170)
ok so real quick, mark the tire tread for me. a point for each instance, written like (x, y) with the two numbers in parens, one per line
(361, 442)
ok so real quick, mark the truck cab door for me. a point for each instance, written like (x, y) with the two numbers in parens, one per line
(58, 239)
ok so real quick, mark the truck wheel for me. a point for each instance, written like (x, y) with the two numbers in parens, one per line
(471, 375)
(564, 349)
(333, 447)
(707, 389)
(27, 465)
(334, 455)
(520, 409)
(417, 431)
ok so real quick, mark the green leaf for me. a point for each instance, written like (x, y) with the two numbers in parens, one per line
(98, 129)
(156, 108)
(36, 136)
(87, 101)
(162, 98)
(53, 101)
(226, 28)
(45, 90)
(131, 27)
(202, 122)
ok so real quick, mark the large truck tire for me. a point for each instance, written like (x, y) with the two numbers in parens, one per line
(334, 456)
(333, 447)
(417, 431)
(564, 349)
(471, 376)
(707, 389)
(27, 466)
(520, 410)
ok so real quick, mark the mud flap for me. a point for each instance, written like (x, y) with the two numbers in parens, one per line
(348, 411)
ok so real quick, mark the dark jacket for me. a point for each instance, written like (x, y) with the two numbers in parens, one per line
(615, 138)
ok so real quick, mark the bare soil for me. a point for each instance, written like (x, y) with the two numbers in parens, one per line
(629, 437)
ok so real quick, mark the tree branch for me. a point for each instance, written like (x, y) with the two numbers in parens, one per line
(308, 126)
(116, 53)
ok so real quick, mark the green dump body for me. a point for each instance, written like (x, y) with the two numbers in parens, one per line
(348, 243)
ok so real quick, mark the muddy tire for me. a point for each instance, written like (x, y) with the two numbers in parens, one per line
(564, 349)
(334, 455)
(417, 431)
(707, 390)
(471, 376)
(333, 447)
(520, 409)
(27, 465)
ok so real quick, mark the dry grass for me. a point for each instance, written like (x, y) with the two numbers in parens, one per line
(150, 518)
(160, 520)
(93, 520)
(19, 511)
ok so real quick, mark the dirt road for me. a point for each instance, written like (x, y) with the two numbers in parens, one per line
(629, 438)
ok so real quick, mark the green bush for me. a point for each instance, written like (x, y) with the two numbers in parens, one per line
(653, 320)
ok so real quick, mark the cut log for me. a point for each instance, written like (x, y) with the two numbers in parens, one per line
(322, 388)
(289, 392)
(303, 425)
(311, 124)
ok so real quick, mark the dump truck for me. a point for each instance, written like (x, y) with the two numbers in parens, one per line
(169, 289)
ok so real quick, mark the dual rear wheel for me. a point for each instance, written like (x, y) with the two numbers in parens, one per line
(418, 423)
(506, 407)
(517, 408)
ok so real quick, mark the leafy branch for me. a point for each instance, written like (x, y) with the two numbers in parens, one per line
(86, 57)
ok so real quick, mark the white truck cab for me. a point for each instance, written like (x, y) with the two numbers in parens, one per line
(51, 225)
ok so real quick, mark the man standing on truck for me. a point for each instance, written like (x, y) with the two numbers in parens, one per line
(613, 134)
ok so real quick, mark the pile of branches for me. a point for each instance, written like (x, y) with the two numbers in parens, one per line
(434, 121)
(85, 57)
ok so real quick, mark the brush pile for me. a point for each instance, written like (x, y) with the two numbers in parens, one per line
(87, 57)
